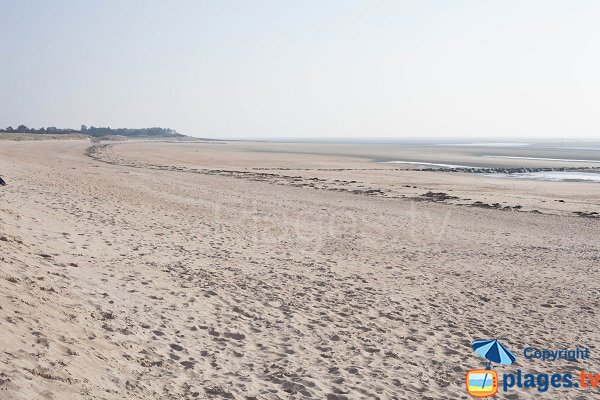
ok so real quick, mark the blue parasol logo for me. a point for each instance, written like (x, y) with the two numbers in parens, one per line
(493, 351)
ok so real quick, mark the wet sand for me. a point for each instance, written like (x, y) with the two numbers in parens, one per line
(276, 271)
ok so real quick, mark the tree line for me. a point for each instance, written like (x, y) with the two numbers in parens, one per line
(97, 131)
(25, 129)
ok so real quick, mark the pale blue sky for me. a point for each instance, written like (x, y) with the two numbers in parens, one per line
(237, 69)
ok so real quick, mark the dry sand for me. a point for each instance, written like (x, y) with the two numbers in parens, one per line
(264, 271)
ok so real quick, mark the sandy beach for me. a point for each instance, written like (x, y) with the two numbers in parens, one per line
(248, 270)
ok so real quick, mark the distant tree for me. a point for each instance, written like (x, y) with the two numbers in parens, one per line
(84, 128)
(10, 129)
(22, 129)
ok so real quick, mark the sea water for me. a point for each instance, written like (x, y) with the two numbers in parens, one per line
(555, 176)
(428, 164)
(546, 159)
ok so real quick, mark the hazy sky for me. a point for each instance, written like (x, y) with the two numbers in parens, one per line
(305, 68)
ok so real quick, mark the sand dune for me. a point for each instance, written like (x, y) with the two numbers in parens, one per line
(168, 271)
